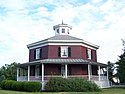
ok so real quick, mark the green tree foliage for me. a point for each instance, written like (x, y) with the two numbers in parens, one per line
(111, 69)
(8, 71)
(121, 65)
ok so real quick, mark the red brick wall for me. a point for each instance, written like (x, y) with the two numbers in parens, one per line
(94, 70)
(52, 69)
(83, 52)
(51, 52)
(73, 69)
(43, 56)
(78, 69)
(77, 52)
(94, 55)
(32, 70)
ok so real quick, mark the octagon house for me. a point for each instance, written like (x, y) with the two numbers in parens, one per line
(63, 56)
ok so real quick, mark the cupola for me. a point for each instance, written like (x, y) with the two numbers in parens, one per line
(62, 29)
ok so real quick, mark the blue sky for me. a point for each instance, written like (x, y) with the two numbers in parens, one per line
(25, 21)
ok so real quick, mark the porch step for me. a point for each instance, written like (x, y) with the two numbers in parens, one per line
(103, 84)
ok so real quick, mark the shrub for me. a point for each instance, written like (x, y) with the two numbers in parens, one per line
(57, 84)
(21, 86)
(32, 86)
(6, 84)
(74, 85)
(17, 86)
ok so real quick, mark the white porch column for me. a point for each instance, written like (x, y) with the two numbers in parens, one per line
(28, 72)
(107, 74)
(17, 75)
(65, 70)
(42, 76)
(99, 71)
(89, 73)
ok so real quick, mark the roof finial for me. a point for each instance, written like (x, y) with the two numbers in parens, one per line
(62, 21)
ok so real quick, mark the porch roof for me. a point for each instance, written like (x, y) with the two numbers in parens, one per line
(63, 61)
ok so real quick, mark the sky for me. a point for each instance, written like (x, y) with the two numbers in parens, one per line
(101, 22)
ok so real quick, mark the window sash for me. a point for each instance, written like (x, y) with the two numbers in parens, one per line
(64, 51)
(89, 53)
(37, 71)
(37, 53)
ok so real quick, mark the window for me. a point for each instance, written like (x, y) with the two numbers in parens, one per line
(69, 51)
(57, 30)
(68, 31)
(37, 71)
(64, 51)
(89, 53)
(63, 30)
(37, 53)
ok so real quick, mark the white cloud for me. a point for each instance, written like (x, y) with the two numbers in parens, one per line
(25, 21)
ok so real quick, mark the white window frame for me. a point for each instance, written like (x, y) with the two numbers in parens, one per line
(38, 53)
(64, 51)
(37, 71)
(63, 30)
(89, 53)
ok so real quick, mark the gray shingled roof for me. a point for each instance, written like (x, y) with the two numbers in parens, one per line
(63, 37)
(63, 61)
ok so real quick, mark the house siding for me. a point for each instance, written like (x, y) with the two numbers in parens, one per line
(51, 52)
(52, 69)
(78, 69)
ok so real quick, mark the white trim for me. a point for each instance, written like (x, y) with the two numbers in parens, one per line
(63, 44)
(46, 41)
(17, 74)
(107, 74)
(89, 73)
(99, 72)
(28, 72)
(42, 76)
(65, 70)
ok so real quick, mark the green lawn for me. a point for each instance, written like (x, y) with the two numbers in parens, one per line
(104, 91)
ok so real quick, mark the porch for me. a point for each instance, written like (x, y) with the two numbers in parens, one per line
(42, 72)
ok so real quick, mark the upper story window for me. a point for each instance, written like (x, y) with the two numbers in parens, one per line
(64, 51)
(89, 53)
(63, 30)
(37, 54)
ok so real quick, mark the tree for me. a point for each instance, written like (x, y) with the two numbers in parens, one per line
(121, 65)
(111, 69)
(8, 71)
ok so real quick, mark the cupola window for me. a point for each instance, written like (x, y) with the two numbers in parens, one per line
(63, 30)
(58, 31)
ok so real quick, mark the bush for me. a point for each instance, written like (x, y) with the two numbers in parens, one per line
(57, 84)
(32, 86)
(17, 86)
(6, 84)
(21, 86)
(72, 85)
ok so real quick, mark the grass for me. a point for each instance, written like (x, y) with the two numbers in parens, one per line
(104, 91)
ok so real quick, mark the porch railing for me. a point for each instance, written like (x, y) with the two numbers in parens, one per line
(22, 78)
(47, 77)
